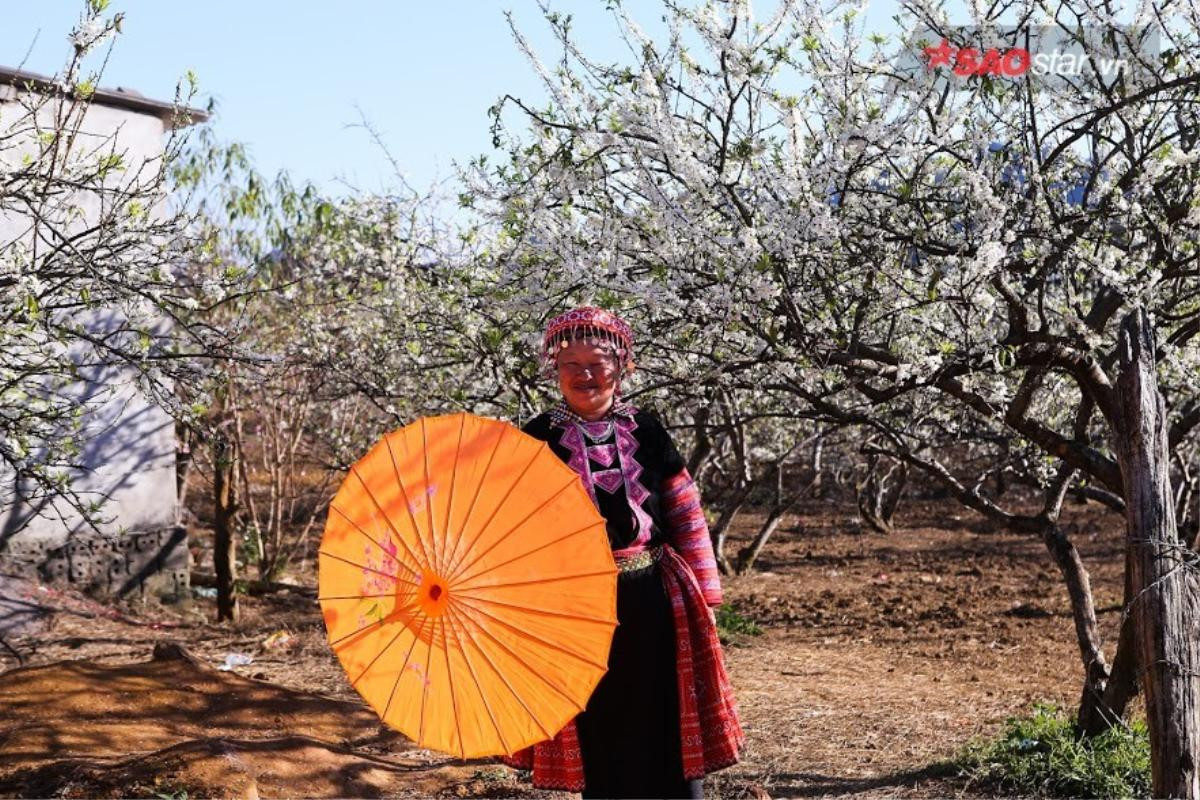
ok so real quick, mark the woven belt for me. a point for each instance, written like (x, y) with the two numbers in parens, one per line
(639, 561)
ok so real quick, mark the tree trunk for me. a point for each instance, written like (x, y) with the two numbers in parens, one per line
(1164, 585)
(720, 530)
(1092, 718)
(818, 483)
(184, 442)
(1123, 677)
(703, 447)
(748, 554)
(225, 507)
(879, 495)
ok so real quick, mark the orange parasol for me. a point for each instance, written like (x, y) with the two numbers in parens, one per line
(467, 585)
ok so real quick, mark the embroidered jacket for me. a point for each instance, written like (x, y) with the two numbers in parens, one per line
(639, 482)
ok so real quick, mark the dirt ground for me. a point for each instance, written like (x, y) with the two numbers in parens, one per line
(881, 656)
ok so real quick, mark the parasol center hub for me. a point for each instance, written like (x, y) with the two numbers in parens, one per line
(433, 594)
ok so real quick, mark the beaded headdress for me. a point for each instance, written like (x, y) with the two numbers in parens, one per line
(592, 325)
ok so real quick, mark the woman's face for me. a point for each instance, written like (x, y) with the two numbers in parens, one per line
(588, 378)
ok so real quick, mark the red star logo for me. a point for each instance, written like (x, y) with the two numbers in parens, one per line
(940, 55)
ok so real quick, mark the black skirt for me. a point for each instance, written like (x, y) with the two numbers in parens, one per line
(629, 734)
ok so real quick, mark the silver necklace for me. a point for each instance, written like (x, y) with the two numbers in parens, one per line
(596, 438)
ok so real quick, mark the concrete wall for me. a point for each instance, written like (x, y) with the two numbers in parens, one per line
(130, 451)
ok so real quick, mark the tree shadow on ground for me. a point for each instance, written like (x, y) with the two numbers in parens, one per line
(812, 784)
(215, 767)
(174, 724)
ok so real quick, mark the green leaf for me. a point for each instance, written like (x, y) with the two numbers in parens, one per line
(324, 213)
(108, 163)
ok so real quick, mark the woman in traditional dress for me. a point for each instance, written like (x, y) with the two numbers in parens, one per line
(663, 715)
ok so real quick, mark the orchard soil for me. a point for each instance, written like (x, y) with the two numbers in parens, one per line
(880, 657)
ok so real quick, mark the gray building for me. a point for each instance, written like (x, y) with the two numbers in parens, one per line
(129, 456)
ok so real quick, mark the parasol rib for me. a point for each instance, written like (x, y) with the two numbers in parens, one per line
(382, 650)
(462, 424)
(327, 554)
(545, 612)
(400, 674)
(372, 540)
(516, 657)
(322, 598)
(463, 567)
(433, 543)
(426, 682)
(500, 673)
(462, 746)
(456, 568)
(379, 508)
(335, 642)
(540, 547)
(453, 612)
(407, 501)
(530, 581)
(368, 536)
(529, 634)
(478, 489)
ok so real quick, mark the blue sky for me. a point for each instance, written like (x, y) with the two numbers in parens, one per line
(289, 78)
